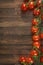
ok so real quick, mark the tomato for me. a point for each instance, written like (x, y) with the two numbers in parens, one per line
(31, 5)
(41, 59)
(42, 5)
(39, 3)
(24, 7)
(36, 12)
(22, 59)
(36, 44)
(34, 53)
(35, 21)
(26, 0)
(42, 17)
(41, 35)
(30, 60)
(36, 37)
(34, 29)
(42, 49)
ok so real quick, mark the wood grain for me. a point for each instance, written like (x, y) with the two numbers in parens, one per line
(15, 32)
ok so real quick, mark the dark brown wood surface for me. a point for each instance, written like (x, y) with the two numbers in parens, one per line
(15, 32)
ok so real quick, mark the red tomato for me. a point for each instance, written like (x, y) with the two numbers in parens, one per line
(42, 49)
(36, 37)
(41, 59)
(22, 59)
(34, 53)
(39, 3)
(26, 0)
(34, 29)
(42, 5)
(35, 21)
(36, 44)
(24, 7)
(31, 5)
(41, 35)
(42, 17)
(36, 12)
(30, 60)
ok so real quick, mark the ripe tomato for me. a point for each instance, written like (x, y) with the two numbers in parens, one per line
(26, 0)
(42, 17)
(41, 35)
(34, 29)
(36, 44)
(36, 37)
(36, 12)
(42, 5)
(34, 53)
(30, 60)
(22, 59)
(39, 3)
(24, 7)
(31, 5)
(35, 21)
(41, 59)
(42, 49)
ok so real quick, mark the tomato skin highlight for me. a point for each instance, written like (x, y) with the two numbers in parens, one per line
(36, 44)
(36, 37)
(31, 5)
(30, 60)
(34, 30)
(39, 3)
(22, 59)
(36, 12)
(34, 21)
(24, 7)
(34, 53)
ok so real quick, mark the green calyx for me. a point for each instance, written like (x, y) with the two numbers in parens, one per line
(23, 63)
(35, 57)
(30, 63)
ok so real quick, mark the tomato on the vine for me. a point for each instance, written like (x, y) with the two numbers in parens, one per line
(39, 3)
(24, 7)
(42, 49)
(31, 5)
(36, 12)
(22, 59)
(30, 60)
(42, 16)
(26, 0)
(36, 44)
(36, 37)
(41, 59)
(34, 53)
(41, 35)
(35, 21)
(35, 29)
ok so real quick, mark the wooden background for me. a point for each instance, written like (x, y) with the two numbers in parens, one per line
(15, 32)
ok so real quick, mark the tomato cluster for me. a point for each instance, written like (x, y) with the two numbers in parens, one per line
(35, 7)
(24, 60)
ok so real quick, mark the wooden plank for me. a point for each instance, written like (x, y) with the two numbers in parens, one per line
(19, 30)
(16, 42)
(12, 12)
(13, 47)
(10, 24)
(10, 3)
(15, 52)
(15, 32)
